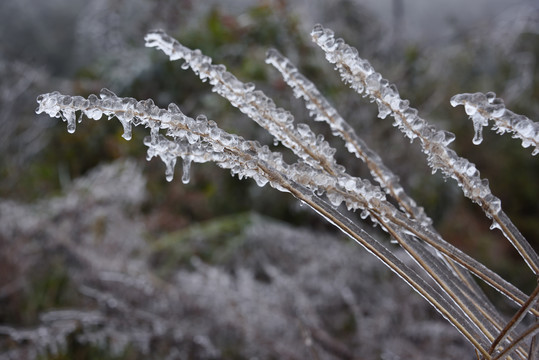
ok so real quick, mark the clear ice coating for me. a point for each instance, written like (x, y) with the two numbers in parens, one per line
(254, 103)
(193, 135)
(322, 110)
(194, 140)
(354, 71)
(170, 162)
(186, 169)
(484, 107)
(69, 116)
(316, 173)
(360, 75)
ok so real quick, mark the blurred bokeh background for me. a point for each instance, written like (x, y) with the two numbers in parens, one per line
(100, 257)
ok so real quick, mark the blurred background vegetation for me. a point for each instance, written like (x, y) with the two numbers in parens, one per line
(78, 47)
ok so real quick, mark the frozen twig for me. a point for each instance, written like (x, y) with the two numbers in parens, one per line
(254, 103)
(517, 318)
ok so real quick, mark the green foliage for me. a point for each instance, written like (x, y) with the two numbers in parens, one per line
(213, 242)
(47, 289)
(75, 350)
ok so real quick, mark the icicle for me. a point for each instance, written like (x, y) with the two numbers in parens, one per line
(154, 132)
(69, 116)
(186, 169)
(127, 129)
(170, 163)
(79, 118)
(106, 93)
(174, 109)
(478, 122)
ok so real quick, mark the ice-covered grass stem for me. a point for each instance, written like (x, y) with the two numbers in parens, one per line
(254, 103)
(206, 142)
(484, 107)
(318, 181)
(362, 77)
(322, 110)
(380, 211)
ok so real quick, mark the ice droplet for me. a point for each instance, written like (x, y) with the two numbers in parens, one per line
(92, 99)
(71, 127)
(491, 96)
(383, 110)
(495, 225)
(106, 93)
(174, 109)
(470, 108)
(69, 116)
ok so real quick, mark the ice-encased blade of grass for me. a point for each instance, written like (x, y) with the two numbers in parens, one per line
(362, 77)
(484, 107)
(322, 110)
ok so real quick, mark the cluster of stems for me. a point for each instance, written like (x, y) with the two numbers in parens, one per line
(316, 179)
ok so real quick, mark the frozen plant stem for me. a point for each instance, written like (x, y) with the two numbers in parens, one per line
(323, 111)
(361, 76)
(318, 181)
(245, 159)
(263, 111)
(532, 300)
(254, 103)
(484, 107)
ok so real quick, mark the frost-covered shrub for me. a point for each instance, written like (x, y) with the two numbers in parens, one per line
(288, 298)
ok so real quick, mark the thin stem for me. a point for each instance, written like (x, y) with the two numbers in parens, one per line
(323, 110)
(531, 331)
(472, 265)
(416, 282)
(362, 77)
(454, 290)
(515, 320)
